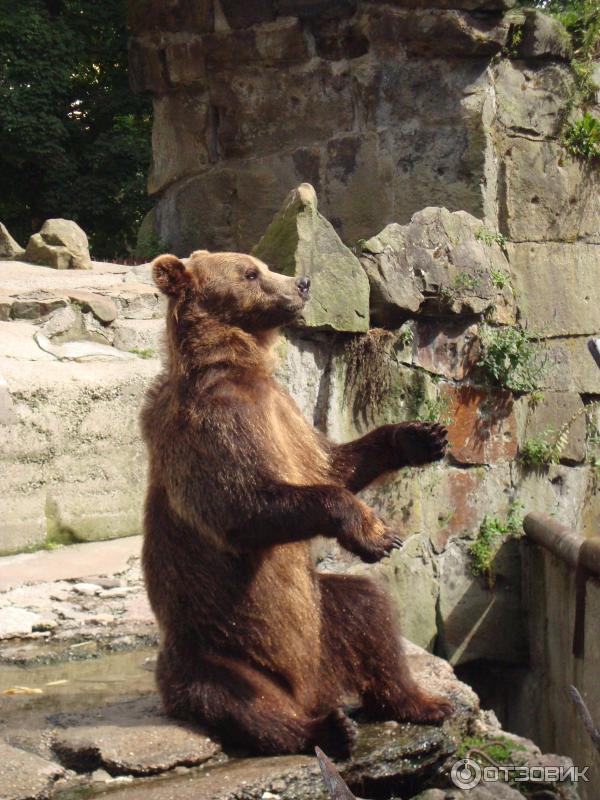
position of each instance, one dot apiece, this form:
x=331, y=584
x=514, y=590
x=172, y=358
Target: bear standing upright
x=255, y=644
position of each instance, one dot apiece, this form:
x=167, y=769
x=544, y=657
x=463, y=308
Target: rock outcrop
x=61, y=244
x=440, y=264
x=300, y=241
x=9, y=248
x=431, y=132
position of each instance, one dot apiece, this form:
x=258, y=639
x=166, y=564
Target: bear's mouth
x=297, y=302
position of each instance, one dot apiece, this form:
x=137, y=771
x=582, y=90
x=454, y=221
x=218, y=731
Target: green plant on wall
x=433, y=409
x=582, y=137
x=538, y=452
x=581, y=18
x=492, y=534
x=593, y=442
x=515, y=37
x=500, y=279
x=511, y=357
x=464, y=282
x=425, y=406
x=491, y=237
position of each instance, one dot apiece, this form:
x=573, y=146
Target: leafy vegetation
x=492, y=534
x=581, y=18
x=433, y=409
x=491, y=237
x=500, y=279
x=515, y=38
x=465, y=282
x=510, y=357
x=425, y=403
x=593, y=442
x=540, y=451
x=406, y=337
x=582, y=137
x=74, y=141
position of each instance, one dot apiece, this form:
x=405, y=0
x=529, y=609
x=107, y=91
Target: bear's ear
x=170, y=274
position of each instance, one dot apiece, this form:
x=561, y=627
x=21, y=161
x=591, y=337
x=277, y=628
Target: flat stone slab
x=132, y=738
x=292, y=777
x=76, y=561
x=18, y=276
x=24, y=776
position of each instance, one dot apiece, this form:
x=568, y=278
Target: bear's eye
x=251, y=274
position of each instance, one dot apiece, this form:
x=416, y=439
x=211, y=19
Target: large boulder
x=9, y=248
x=543, y=36
x=439, y=264
x=61, y=244
x=300, y=241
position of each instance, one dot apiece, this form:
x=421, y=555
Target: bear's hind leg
x=363, y=649
x=244, y=707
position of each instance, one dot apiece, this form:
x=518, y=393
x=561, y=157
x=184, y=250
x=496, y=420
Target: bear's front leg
x=389, y=447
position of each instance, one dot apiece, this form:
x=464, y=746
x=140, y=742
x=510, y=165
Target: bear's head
x=234, y=288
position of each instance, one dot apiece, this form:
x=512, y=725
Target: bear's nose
x=303, y=284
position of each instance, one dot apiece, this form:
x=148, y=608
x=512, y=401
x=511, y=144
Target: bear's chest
x=295, y=446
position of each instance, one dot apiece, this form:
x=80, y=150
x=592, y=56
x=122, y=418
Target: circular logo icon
x=466, y=774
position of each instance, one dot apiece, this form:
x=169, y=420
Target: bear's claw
x=420, y=442
x=373, y=550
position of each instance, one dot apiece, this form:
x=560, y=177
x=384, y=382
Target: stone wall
x=77, y=350
x=384, y=108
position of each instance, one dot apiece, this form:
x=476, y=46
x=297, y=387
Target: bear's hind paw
x=429, y=709
x=335, y=734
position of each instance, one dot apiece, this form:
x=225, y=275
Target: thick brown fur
x=256, y=645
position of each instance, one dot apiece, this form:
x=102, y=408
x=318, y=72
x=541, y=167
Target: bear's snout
x=303, y=285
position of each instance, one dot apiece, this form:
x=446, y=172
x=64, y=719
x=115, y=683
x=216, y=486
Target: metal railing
x=565, y=543
x=583, y=556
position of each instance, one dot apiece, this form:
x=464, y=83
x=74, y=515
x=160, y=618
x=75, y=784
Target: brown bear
x=256, y=645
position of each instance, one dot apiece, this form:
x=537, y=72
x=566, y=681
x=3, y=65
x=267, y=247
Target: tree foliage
x=74, y=141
